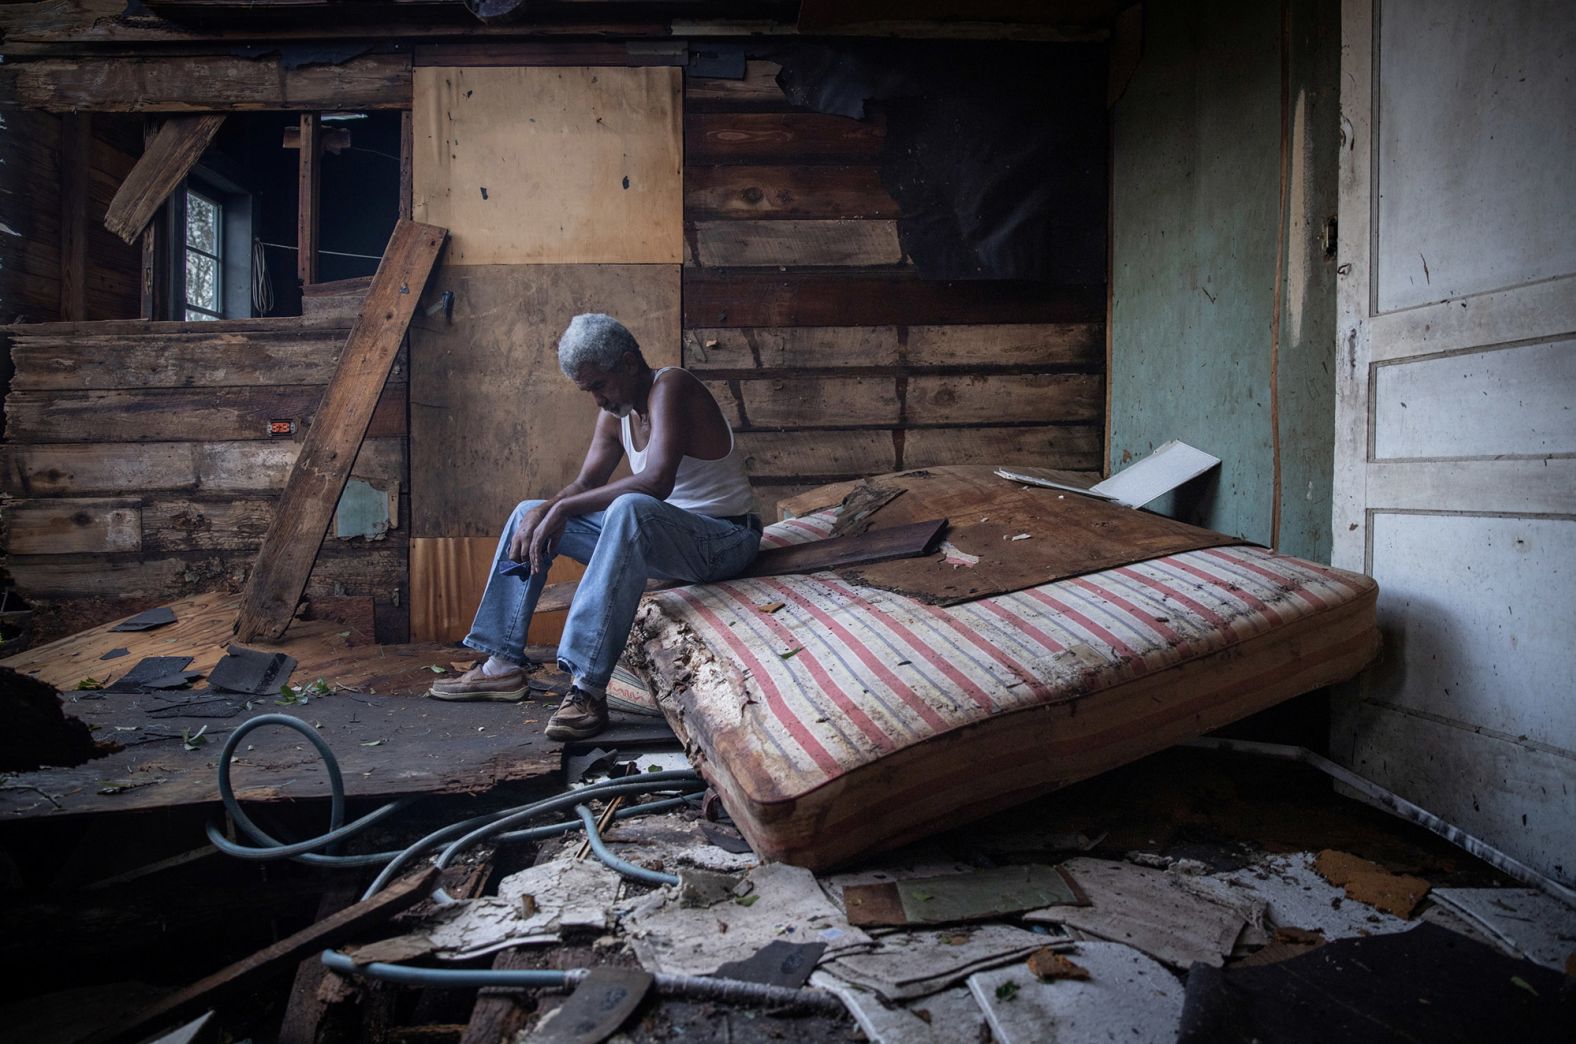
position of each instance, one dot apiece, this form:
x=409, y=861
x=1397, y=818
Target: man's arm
x=669, y=406
x=602, y=456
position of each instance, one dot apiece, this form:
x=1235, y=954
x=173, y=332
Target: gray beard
x=621, y=412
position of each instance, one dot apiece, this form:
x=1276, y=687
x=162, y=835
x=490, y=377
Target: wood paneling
x=493, y=420
x=831, y=357
x=175, y=414
x=213, y=467
x=860, y=298
x=789, y=348
x=796, y=243
x=202, y=83
x=779, y=137
x=55, y=527
x=187, y=360
x=447, y=578
x=551, y=166
x=785, y=191
x=998, y=399
x=1069, y=447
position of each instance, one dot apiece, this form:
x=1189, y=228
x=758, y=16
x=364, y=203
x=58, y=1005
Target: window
x=204, y=257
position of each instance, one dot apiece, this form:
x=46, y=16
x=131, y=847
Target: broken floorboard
x=388, y=739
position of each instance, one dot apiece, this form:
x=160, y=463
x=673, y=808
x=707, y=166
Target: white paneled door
x=1455, y=458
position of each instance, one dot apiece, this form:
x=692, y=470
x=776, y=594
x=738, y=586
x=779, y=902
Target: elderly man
x=682, y=514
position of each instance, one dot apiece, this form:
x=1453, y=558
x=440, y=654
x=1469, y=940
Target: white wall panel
x=1507, y=401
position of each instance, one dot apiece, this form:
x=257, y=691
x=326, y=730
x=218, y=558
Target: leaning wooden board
x=290, y=546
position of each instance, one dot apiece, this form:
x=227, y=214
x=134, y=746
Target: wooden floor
x=387, y=738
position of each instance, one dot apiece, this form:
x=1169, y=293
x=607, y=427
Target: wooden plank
x=407, y=159
x=158, y=328
x=793, y=242
x=176, y=147
x=207, y=83
x=759, y=86
x=789, y=348
x=781, y=137
x=231, y=524
x=54, y=527
x=714, y=297
x=1011, y=344
x=187, y=360
x=493, y=419
x=285, y=561
x=1075, y=448
x=1004, y=398
x=307, y=1006
x=146, y=467
x=344, y=926
x=447, y=577
x=551, y=166
x=176, y=414
x=787, y=191
x=499, y=1015
x=472, y=54
x=309, y=178
x=813, y=556
x=76, y=130
x=817, y=453
x=793, y=402
x=378, y=570
x=339, y=299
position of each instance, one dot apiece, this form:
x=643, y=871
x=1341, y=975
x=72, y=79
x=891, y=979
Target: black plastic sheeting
x=1428, y=984
x=995, y=152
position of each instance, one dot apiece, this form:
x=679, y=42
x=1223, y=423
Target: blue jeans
x=637, y=538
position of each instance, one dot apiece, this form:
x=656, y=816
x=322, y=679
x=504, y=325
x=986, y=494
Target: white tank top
x=707, y=487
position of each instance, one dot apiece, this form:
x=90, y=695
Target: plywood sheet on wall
x=493, y=420
x=551, y=165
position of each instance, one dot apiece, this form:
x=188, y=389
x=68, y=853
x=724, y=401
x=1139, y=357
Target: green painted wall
x=1196, y=205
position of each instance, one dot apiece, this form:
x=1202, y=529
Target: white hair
x=595, y=339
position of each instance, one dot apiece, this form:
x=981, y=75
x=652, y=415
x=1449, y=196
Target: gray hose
x=623, y=866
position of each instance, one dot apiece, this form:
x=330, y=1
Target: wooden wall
x=57, y=176
x=834, y=360
x=139, y=462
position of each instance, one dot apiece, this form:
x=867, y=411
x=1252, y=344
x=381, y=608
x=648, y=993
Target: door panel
x=1455, y=454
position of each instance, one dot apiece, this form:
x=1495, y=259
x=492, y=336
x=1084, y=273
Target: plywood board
x=447, y=577
x=794, y=242
x=551, y=165
x=493, y=419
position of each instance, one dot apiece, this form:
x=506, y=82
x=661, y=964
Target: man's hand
x=520, y=543
x=544, y=537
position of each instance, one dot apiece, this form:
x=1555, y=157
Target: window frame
x=216, y=201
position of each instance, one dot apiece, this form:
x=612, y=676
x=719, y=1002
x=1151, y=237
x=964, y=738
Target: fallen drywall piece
x=783, y=902
x=1531, y=922
x=1370, y=883
x=1152, y=911
x=906, y=965
x=1295, y=896
x=941, y=1018
x=1127, y=997
x=975, y=895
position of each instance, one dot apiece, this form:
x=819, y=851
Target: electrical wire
x=262, y=282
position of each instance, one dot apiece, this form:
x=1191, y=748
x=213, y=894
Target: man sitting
x=682, y=514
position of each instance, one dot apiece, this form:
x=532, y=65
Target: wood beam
x=308, y=195
x=333, y=931
x=175, y=149
x=76, y=137
x=407, y=165
x=205, y=83
x=291, y=543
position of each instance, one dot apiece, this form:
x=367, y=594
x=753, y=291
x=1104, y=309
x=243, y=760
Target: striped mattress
x=838, y=719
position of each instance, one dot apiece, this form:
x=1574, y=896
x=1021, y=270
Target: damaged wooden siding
x=831, y=358
x=57, y=176
x=140, y=463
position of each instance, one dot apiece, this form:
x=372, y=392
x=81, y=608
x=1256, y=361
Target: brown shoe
x=579, y=716
x=474, y=685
